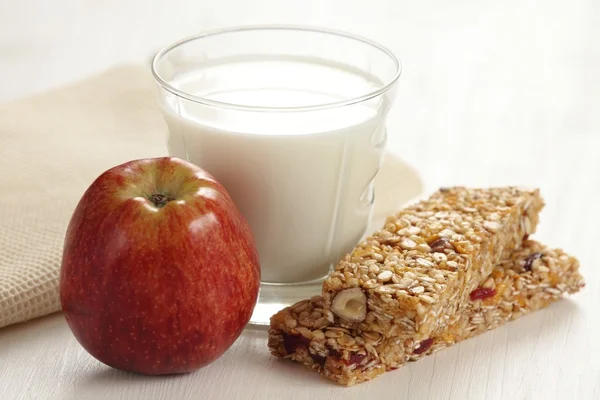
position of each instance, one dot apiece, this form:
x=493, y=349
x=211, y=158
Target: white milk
x=302, y=179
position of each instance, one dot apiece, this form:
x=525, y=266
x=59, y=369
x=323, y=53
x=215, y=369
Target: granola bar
x=530, y=279
x=414, y=275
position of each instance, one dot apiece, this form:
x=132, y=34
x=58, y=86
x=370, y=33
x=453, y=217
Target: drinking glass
x=291, y=120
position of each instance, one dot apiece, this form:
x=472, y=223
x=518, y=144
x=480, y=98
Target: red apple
x=159, y=273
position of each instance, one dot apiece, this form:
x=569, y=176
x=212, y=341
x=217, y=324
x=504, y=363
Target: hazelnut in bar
x=413, y=276
x=530, y=279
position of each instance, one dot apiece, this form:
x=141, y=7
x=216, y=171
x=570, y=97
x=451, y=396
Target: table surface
x=492, y=93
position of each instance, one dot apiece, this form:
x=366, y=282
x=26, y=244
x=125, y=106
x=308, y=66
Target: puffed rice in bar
x=412, y=277
x=530, y=279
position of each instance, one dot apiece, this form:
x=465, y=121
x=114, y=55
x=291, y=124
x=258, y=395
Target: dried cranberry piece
x=294, y=342
x=423, y=346
x=355, y=358
x=439, y=245
x=482, y=293
x=318, y=359
x=529, y=260
x=332, y=351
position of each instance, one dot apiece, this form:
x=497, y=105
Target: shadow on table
x=439, y=371
x=521, y=334
x=30, y=332
x=251, y=354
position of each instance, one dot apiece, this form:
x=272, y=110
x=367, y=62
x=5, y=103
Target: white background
x=492, y=93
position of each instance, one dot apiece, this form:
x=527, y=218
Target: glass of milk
x=291, y=120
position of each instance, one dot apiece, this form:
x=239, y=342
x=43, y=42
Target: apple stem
x=160, y=200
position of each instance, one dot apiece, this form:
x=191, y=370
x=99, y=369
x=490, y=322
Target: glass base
x=274, y=297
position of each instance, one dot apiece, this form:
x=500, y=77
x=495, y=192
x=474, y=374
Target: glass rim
x=299, y=28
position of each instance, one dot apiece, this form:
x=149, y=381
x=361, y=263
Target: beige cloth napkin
x=52, y=146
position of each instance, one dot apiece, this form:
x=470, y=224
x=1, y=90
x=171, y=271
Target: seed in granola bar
x=442, y=214
x=318, y=335
x=372, y=337
x=423, y=248
x=529, y=260
x=292, y=343
x=333, y=334
x=440, y=257
x=482, y=293
x=413, y=230
x=552, y=291
x=346, y=340
x=352, y=282
x=463, y=247
x=290, y=322
x=335, y=282
x=373, y=269
x=427, y=299
x=424, y=263
x=423, y=346
x=350, y=304
x=489, y=283
x=448, y=233
x=408, y=244
x=440, y=244
x=307, y=333
x=320, y=323
x=417, y=290
x=491, y=226
x=494, y=217
x=306, y=322
x=543, y=268
x=385, y=276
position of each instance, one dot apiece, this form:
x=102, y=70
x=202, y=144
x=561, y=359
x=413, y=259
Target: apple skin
x=158, y=290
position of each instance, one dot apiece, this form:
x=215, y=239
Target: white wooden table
x=492, y=93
